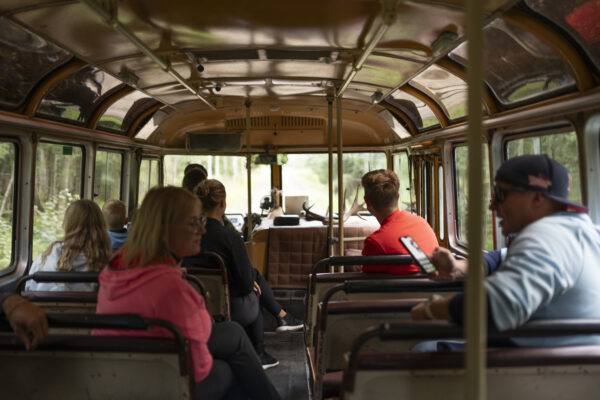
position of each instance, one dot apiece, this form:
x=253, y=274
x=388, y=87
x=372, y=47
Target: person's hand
x=27, y=320
x=257, y=288
x=447, y=267
x=418, y=313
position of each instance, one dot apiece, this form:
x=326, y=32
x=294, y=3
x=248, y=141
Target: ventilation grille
x=283, y=122
x=302, y=122
x=255, y=123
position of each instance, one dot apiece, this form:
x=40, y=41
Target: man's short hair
x=190, y=167
x=115, y=214
x=381, y=188
x=193, y=178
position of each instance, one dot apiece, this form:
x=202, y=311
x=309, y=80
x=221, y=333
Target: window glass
x=308, y=174
x=75, y=97
x=24, y=59
x=562, y=147
x=58, y=181
x=150, y=126
x=578, y=17
x=231, y=172
x=402, y=170
x=148, y=177
x=123, y=112
x=419, y=112
x=447, y=89
x=107, y=176
x=7, y=206
x=442, y=212
x=517, y=65
x=461, y=178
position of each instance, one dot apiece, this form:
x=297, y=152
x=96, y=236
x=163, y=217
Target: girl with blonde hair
x=85, y=247
x=144, y=278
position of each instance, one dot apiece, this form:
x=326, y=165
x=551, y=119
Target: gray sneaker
x=289, y=324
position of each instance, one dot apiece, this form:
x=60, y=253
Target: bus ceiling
x=157, y=71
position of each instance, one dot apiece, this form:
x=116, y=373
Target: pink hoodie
x=158, y=291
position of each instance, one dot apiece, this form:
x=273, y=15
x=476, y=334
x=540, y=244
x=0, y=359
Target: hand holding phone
x=417, y=254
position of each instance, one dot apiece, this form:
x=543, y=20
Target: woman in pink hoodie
x=144, y=278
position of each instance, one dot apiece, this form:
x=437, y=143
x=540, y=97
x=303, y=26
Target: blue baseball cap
x=542, y=174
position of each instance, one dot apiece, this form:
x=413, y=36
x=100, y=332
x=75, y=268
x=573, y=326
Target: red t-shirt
x=385, y=241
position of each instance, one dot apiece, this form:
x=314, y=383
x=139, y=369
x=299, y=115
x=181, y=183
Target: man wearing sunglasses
x=550, y=270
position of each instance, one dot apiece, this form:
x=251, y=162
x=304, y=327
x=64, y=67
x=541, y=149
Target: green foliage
x=5, y=242
x=47, y=225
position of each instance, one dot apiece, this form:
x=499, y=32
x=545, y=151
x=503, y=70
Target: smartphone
x=417, y=254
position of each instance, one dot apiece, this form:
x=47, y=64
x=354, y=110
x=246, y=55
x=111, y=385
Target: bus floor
x=290, y=377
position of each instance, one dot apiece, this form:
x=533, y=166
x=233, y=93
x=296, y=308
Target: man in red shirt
x=381, y=197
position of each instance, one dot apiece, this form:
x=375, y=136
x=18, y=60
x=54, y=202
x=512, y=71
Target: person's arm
x=243, y=271
x=26, y=319
x=447, y=267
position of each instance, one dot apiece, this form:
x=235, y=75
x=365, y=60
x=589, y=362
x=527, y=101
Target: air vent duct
x=214, y=141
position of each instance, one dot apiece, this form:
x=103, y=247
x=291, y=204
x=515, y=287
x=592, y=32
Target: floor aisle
x=289, y=377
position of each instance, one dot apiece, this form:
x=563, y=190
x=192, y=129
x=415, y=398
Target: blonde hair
x=115, y=214
x=148, y=240
x=85, y=232
x=210, y=192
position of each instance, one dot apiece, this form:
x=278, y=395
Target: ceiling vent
x=255, y=123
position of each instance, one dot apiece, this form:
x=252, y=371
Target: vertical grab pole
x=340, y=145
x=330, y=170
x=475, y=306
x=248, y=103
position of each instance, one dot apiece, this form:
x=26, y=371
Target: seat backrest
x=512, y=373
x=210, y=269
x=516, y=374
x=97, y=367
x=320, y=282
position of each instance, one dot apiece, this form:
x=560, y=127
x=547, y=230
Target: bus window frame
x=591, y=149
x=15, y=252
x=123, y=154
x=149, y=157
x=498, y=155
x=451, y=202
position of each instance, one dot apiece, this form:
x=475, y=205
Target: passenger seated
x=115, y=215
x=143, y=278
x=85, y=247
x=549, y=271
x=381, y=197
x=248, y=289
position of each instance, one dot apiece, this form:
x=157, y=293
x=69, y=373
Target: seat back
x=210, y=269
x=97, y=367
x=321, y=280
x=512, y=373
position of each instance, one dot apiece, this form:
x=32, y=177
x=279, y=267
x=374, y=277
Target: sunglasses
x=501, y=193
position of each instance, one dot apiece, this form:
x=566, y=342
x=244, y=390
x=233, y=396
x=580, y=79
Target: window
x=560, y=146
x=419, y=112
x=461, y=190
x=518, y=66
x=308, y=174
x=107, y=177
x=8, y=155
x=58, y=181
x=403, y=172
x=25, y=58
x=231, y=172
x=441, y=200
x=75, y=97
x=124, y=111
x=148, y=177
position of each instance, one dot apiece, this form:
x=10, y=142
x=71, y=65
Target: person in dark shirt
x=247, y=288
